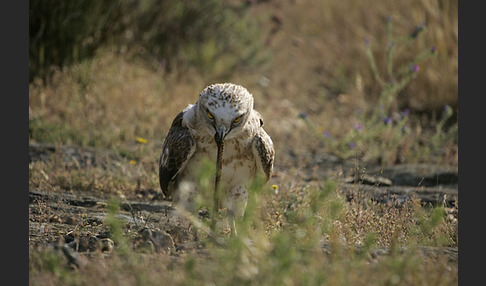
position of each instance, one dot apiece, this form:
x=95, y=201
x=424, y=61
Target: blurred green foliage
x=63, y=32
x=170, y=34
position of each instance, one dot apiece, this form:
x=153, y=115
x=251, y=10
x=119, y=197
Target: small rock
x=369, y=180
x=106, y=245
x=72, y=220
x=85, y=243
x=421, y=174
x=75, y=260
x=154, y=238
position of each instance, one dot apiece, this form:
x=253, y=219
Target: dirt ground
x=79, y=219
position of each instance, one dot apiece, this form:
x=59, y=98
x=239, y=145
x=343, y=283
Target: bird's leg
x=235, y=202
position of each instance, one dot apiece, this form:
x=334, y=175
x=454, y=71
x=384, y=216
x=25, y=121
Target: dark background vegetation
x=171, y=33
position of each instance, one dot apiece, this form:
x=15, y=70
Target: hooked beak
x=220, y=134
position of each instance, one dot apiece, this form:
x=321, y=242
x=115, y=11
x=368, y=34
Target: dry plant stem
x=219, y=167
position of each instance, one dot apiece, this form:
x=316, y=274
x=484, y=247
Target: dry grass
x=281, y=242
x=318, y=65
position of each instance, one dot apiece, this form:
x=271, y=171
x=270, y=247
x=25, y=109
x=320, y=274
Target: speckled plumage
x=248, y=150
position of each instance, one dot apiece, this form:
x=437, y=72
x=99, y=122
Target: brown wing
x=178, y=147
x=264, y=153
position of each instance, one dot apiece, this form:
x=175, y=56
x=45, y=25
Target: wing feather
x=179, y=146
x=264, y=153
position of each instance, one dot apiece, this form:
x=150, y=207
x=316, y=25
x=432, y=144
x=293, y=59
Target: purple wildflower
x=387, y=120
x=416, y=68
x=447, y=111
x=351, y=145
x=327, y=134
x=303, y=115
x=358, y=127
x=405, y=112
x=433, y=49
x=367, y=42
x=417, y=31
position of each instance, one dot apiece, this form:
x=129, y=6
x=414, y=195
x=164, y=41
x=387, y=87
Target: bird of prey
x=222, y=116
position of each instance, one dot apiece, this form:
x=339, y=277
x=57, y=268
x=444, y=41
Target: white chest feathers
x=238, y=163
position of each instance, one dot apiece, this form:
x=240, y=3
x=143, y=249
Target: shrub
x=210, y=35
